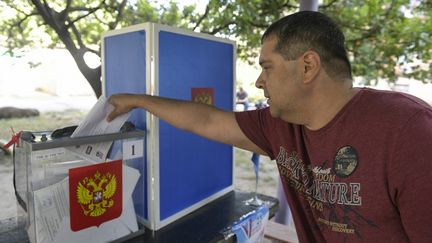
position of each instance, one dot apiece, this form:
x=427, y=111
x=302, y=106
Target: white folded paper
x=95, y=123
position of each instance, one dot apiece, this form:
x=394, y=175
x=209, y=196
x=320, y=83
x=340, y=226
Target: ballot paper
x=95, y=123
x=50, y=173
x=52, y=215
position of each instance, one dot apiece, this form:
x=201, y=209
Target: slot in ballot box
x=184, y=171
x=65, y=197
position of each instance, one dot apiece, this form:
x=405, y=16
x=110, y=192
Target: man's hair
x=308, y=30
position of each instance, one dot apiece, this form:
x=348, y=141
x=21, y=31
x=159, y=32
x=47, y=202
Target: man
x=242, y=98
x=355, y=163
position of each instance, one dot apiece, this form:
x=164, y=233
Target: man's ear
x=311, y=65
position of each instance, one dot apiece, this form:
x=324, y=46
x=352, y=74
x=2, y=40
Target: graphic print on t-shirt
x=345, y=161
x=333, y=200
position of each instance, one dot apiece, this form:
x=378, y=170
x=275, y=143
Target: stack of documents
x=51, y=186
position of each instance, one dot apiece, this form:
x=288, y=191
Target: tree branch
x=78, y=36
x=18, y=24
x=89, y=11
x=56, y=22
x=271, y=10
x=101, y=20
x=41, y=10
x=14, y=7
x=258, y=25
x=327, y=5
x=286, y=5
x=119, y=16
x=48, y=9
x=371, y=32
x=216, y=30
x=207, y=10
x=68, y=4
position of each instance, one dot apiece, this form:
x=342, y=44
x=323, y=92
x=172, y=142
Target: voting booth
x=65, y=197
x=182, y=171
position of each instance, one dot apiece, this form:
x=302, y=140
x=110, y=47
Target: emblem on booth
x=95, y=194
x=203, y=95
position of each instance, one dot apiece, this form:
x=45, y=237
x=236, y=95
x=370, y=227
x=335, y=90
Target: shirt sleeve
x=255, y=126
x=410, y=173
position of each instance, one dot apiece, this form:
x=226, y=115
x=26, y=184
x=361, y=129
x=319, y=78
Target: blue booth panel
x=181, y=171
x=124, y=72
x=192, y=168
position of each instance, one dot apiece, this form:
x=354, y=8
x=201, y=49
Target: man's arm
x=204, y=120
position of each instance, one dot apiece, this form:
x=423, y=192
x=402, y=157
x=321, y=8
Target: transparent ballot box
x=65, y=194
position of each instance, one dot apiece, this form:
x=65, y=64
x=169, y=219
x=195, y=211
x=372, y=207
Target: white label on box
x=48, y=155
x=133, y=149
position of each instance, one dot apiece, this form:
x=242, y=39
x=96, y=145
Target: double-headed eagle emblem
x=204, y=99
x=95, y=194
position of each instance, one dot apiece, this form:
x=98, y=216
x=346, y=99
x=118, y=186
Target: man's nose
x=259, y=83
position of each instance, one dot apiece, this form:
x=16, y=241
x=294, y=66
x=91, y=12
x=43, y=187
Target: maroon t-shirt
x=365, y=176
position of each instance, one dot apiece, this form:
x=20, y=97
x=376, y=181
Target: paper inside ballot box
x=53, y=214
x=95, y=123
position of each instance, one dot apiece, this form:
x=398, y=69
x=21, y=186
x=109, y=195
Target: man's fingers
x=111, y=116
x=114, y=113
x=119, y=103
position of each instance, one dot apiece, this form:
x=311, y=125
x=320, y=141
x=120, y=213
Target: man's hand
x=122, y=103
x=204, y=120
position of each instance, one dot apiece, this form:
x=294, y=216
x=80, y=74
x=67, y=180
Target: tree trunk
x=93, y=75
x=61, y=26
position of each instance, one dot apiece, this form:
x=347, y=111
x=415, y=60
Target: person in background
x=260, y=104
x=355, y=163
x=242, y=98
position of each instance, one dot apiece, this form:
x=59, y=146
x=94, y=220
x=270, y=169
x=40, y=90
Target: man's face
x=280, y=80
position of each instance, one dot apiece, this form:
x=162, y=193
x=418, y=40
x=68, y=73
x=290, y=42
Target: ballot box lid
x=37, y=144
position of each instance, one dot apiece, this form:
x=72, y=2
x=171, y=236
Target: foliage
x=77, y=25
x=383, y=41
x=245, y=21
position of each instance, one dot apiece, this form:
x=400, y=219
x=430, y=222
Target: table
x=205, y=224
